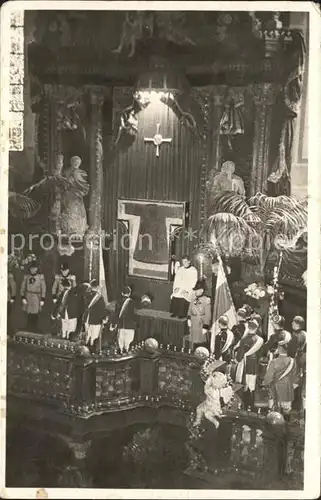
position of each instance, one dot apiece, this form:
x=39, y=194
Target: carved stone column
x=76, y=474
x=211, y=100
x=92, y=247
x=219, y=95
x=264, y=96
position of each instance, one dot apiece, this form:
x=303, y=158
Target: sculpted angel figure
x=134, y=26
x=50, y=188
x=225, y=180
x=216, y=387
x=65, y=190
x=73, y=217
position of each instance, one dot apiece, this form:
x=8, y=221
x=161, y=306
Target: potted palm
x=263, y=232
x=261, y=229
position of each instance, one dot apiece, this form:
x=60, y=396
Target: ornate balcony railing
x=65, y=375
x=67, y=380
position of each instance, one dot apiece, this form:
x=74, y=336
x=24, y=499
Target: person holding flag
x=247, y=357
x=224, y=313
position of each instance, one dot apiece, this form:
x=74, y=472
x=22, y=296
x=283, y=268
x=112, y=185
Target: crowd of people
x=276, y=363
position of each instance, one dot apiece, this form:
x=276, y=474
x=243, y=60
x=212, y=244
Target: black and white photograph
x=160, y=180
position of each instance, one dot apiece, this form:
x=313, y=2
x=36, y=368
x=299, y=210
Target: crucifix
x=158, y=139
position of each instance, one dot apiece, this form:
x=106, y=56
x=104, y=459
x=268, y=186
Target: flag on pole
x=223, y=303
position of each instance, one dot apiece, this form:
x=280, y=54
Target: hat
x=223, y=321
x=241, y=313
x=64, y=266
x=282, y=339
x=299, y=321
x=127, y=290
x=94, y=284
x=253, y=324
x=257, y=318
x=200, y=284
x=278, y=322
x=248, y=309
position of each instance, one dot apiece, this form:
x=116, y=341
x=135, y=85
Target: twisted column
x=264, y=96
x=92, y=239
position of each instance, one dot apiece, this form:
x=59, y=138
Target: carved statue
x=51, y=187
x=137, y=25
x=73, y=218
x=128, y=118
x=65, y=190
x=256, y=25
x=216, y=387
x=225, y=180
x=133, y=29
x=171, y=27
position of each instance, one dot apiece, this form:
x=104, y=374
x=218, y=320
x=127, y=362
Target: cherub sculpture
x=216, y=387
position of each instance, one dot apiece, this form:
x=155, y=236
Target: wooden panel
x=136, y=172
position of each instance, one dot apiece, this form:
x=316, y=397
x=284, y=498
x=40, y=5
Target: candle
x=201, y=257
x=91, y=260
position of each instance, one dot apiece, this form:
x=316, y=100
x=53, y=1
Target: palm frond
x=280, y=213
x=272, y=202
x=289, y=223
x=47, y=185
x=228, y=201
x=21, y=206
x=230, y=233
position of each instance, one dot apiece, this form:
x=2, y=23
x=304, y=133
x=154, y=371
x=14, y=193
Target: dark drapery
x=279, y=179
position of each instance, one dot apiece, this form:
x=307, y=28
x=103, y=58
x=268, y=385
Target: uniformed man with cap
x=199, y=315
x=57, y=286
x=124, y=320
x=297, y=350
x=247, y=357
x=258, y=318
x=224, y=341
x=33, y=294
x=95, y=316
x=67, y=309
x=272, y=343
x=281, y=378
x=239, y=329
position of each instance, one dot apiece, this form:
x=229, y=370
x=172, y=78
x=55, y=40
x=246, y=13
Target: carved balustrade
x=64, y=376
x=63, y=373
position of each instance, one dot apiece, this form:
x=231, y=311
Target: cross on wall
x=158, y=139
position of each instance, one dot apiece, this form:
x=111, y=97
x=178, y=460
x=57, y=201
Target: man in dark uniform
x=124, y=320
x=67, y=308
x=297, y=351
x=239, y=329
x=272, y=343
x=258, y=318
x=96, y=315
x=224, y=341
x=247, y=357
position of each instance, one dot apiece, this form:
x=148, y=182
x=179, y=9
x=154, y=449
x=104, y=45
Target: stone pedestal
x=264, y=96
